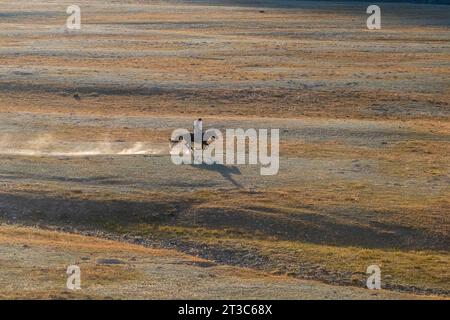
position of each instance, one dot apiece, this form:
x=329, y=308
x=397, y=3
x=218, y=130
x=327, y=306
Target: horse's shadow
x=225, y=171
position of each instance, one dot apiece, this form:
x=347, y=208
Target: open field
x=37, y=260
x=364, y=124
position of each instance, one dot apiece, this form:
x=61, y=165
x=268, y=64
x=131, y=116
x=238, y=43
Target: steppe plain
x=86, y=177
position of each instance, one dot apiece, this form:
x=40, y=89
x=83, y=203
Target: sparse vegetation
x=365, y=147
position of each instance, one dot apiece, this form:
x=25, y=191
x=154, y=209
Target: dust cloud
x=46, y=145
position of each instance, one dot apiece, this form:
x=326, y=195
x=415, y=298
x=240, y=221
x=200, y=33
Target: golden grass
x=54, y=239
x=424, y=269
x=243, y=56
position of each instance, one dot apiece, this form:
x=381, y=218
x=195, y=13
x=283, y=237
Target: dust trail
x=45, y=145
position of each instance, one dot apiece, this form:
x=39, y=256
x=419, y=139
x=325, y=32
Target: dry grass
x=365, y=143
x=345, y=265
x=37, y=262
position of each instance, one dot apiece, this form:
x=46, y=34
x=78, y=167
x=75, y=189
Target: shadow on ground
x=226, y=172
x=320, y=228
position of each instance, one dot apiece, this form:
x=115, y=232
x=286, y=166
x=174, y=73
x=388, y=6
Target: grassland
x=37, y=261
x=365, y=146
